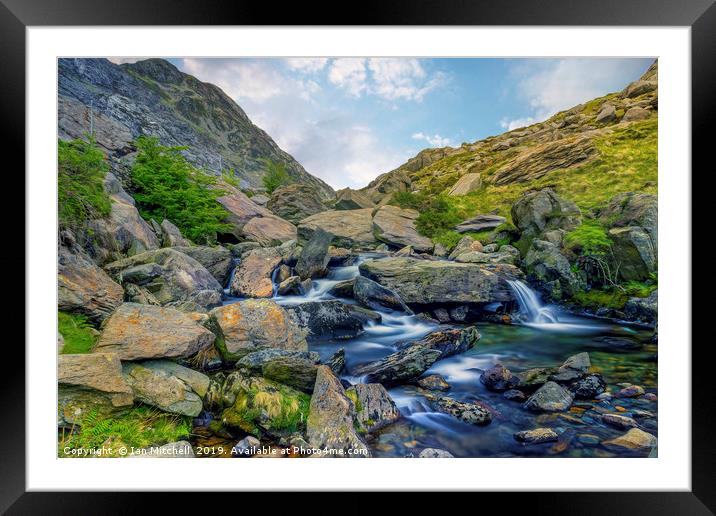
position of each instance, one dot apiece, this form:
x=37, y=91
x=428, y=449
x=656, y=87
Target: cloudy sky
x=346, y=120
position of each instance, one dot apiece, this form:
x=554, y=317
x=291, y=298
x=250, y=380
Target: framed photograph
x=375, y=238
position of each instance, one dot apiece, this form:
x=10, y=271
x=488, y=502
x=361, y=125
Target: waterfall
x=530, y=305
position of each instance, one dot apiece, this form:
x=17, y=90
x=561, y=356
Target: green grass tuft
x=77, y=331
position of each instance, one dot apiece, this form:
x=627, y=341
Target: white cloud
x=436, y=140
x=307, y=64
x=241, y=79
x=509, y=125
x=350, y=74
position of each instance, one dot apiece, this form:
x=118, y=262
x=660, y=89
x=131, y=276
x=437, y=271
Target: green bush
x=77, y=332
x=81, y=168
x=139, y=427
x=437, y=216
x=275, y=175
x=168, y=186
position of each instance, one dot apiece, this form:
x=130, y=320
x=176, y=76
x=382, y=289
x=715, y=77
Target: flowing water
x=543, y=336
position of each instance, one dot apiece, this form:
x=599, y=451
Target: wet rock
x=435, y=453
x=337, y=362
x=533, y=379
x=466, y=244
x=550, y=270
x=374, y=407
x=177, y=279
x=466, y=184
x=252, y=277
x=399, y=367
x=448, y=342
x=632, y=391
x=634, y=439
x=536, y=436
x=480, y=223
x=375, y=296
x=515, y=395
x=171, y=235
x=84, y=288
x=470, y=413
x=396, y=226
x=217, y=260
x=90, y=382
x=282, y=273
x=341, y=257
x=314, y=258
x=348, y=199
x=434, y=382
x=295, y=202
x=433, y=282
x=136, y=332
x=333, y=318
x=256, y=324
x=622, y=422
x=290, y=286
x=459, y=313
x=161, y=387
x=350, y=228
x=551, y=397
x=342, y=289
x=643, y=309
x=573, y=368
x=331, y=417
x=442, y=315
x=588, y=387
x=246, y=447
x=269, y=230
x=296, y=369
x=498, y=378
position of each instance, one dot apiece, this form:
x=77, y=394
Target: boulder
x=588, y=387
x=635, y=113
x=173, y=278
x=90, y=382
x=551, y=397
x=466, y=184
x=260, y=199
x=470, y=413
x=633, y=209
x=157, y=385
x=331, y=418
x=433, y=382
x=539, y=211
x=619, y=421
x=498, y=378
x=399, y=367
x=480, y=223
x=240, y=208
x=572, y=369
x=290, y=286
x=465, y=245
x=342, y=289
x=375, y=296
x=631, y=391
x=509, y=255
x=256, y=324
x=374, y=406
x=606, y=115
x=136, y=332
x=341, y=257
x=217, y=260
x=388, y=183
x=396, y=226
x=634, y=252
x=643, y=309
x=240, y=249
x=536, y=436
x=550, y=270
x=350, y=228
x=435, y=453
x=348, y=199
x=640, y=87
x=332, y=319
x=252, y=277
x=197, y=382
x=296, y=369
x=337, y=361
x=314, y=258
x=634, y=439
x=448, y=342
x=427, y=282
x=295, y=202
x=269, y=230
x=171, y=235
x=84, y=288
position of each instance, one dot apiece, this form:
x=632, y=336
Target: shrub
x=437, y=216
x=229, y=177
x=275, y=175
x=77, y=332
x=168, y=186
x=81, y=168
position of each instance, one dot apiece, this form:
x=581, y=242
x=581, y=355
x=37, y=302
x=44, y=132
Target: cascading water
x=530, y=305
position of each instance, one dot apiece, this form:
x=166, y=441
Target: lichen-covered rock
x=465, y=245
x=295, y=202
x=536, y=436
x=498, y=378
x=256, y=324
x=396, y=226
x=136, y=332
x=634, y=252
x=314, y=258
x=551, y=397
x=333, y=318
x=252, y=277
x=269, y=230
x=538, y=211
x=634, y=439
x=573, y=368
x=332, y=416
x=290, y=286
x=471, y=413
x=374, y=406
x=296, y=369
x=588, y=387
x=337, y=361
x=550, y=270
x=350, y=228
x=448, y=342
x=173, y=278
x=84, y=288
x=162, y=387
x=643, y=309
x=434, y=382
x=90, y=382
x=375, y=296
x=217, y=260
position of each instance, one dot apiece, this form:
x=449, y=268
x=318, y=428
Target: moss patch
x=78, y=333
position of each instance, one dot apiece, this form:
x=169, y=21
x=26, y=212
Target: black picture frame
x=700, y=15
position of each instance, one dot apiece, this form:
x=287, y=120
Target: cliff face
x=569, y=140
x=152, y=97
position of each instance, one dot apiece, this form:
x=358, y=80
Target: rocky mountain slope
x=152, y=97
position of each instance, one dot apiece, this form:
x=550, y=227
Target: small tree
x=81, y=168
x=168, y=186
x=275, y=175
